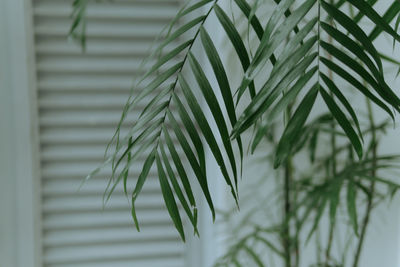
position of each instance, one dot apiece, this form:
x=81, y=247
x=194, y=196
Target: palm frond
x=294, y=41
x=352, y=60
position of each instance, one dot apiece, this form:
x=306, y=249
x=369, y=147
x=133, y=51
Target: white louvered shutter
x=81, y=97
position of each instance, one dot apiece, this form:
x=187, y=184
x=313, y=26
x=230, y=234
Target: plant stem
x=286, y=232
x=332, y=223
x=296, y=237
x=286, y=240
x=372, y=187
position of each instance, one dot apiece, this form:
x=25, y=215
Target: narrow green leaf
x=360, y=15
x=206, y=130
x=381, y=180
x=396, y=27
x=332, y=87
x=335, y=197
x=233, y=36
x=139, y=125
x=216, y=111
x=279, y=12
x=380, y=22
x=150, y=105
x=340, y=3
x=389, y=15
x=267, y=47
x=380, y=86
x=140, y=182
x=359, y=86
x=287, y=14
x=169, y=198
x=288, y=57
x=354, y=29
x=295, y=41
x=186, y=27
x=312, y=148
x=177, y=188
x=184, y=10
x=352, y=46
x=318, y=215
x=256, y=259
x=144, y=144
x=236, y=262
x=191, y=129
x=220, y=74
x=236, y=41
x=286, y=99
x=294, y=126
x=269, y=244
x=198, y=171
x=343, y=122
x=160, y=79
x=254, y=21
x=168, y=56
x=259, y=104
x=223, y=82
x=291, y=94
x=126, y=173
x=195, y=7
x=179, y=167
x=351, y=205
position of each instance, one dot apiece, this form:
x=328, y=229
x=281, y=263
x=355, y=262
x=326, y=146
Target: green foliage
x=305, y=49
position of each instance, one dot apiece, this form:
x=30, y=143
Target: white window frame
x=22, y=206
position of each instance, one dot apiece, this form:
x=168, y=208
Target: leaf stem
x=319, y=40
x=332, y=222
x=371, y=188
x=286, y=239
x=181, y=68
x=286, y=232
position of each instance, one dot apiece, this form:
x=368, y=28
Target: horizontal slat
x=82, y=64
x=90, y=101
x=150, y=3
x=101, y=30
x=80, y=152
x=110, y=48
x=94, y=203
x=169, y=262
x=55, y=48
x=103, y=220
x=74, y=187
x=115, y=252
x=77, y=170
x=110, y=235
x=74, y=153
x=72, y=118
x=89, y=119
x=81, y=83
x=108, y=10
x=51, y=136
x=83, y=101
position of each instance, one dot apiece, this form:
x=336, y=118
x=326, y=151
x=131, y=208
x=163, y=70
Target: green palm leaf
x=297, y=42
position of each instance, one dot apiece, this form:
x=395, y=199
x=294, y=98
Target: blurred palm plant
x=305, y=52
